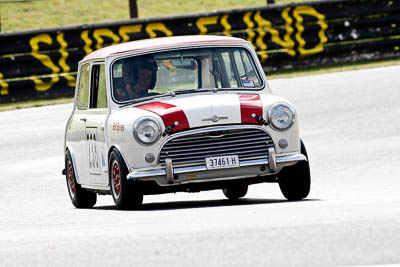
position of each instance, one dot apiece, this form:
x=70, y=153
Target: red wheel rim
x=71, y=178
x=116, y=179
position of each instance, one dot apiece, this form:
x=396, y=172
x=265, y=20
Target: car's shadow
x=193, y=204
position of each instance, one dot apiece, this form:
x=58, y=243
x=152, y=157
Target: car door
x=77, y=139
x=95, y=138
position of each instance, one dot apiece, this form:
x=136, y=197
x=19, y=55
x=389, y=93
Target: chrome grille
x=247, y=143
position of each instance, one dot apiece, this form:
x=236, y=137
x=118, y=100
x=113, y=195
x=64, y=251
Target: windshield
x=183, y=71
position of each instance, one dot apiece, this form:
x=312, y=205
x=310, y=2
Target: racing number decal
x=93, y=155
x=93, y=162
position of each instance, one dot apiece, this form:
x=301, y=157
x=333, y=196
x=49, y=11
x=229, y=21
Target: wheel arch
x=72, y=154
x=302, y=148
x=116, y=147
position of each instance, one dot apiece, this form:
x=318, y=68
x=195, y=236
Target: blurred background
x=17, y=15
x=42, y=41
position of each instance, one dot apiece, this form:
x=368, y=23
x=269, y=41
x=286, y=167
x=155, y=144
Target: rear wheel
x=234, y=192
x=80, y=197
x=295, y=181
x=125, y=194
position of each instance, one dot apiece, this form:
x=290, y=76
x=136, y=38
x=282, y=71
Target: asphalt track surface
x=350, y=123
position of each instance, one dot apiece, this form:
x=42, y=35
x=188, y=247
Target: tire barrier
x=43, y=63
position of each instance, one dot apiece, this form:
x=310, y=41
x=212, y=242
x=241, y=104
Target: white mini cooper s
x=179, y=114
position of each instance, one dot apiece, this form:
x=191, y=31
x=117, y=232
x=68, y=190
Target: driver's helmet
x=131, y=66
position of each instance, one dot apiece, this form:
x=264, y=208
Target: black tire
x=234, y=192
x=125, y=194
x=295, y=181
x=80, y=197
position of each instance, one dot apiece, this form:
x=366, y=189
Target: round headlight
x=147, y=131
x=281, y=116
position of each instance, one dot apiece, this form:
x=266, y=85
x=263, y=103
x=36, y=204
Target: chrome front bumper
x=274, y=163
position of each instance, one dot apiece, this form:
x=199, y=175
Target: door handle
x=83, y=119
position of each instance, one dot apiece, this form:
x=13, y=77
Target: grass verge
x=34, y=103
x=36, y=14
x=334, y=68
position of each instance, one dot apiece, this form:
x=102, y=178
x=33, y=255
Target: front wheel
x=234, y=192
x=80, y=197
x=124, y=192
x=295, y=181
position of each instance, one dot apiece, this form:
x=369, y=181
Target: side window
x=99, y=88
x=83, y=92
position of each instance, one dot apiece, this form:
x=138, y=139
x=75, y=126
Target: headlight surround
x=281, y=116
x=147, y=131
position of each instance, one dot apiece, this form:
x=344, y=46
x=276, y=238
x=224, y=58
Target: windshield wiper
x=142, y=99
x=188, y=91
x=138, y=100
x=134, y=101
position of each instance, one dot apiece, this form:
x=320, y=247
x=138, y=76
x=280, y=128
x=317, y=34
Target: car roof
x=158, y=43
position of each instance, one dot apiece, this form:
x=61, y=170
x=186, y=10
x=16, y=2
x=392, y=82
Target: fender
x=117, y=147
x=73, y=163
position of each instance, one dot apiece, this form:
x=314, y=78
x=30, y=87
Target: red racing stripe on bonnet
x=249, y=104
x=169, y=114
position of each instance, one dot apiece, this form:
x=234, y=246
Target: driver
x=139, y=75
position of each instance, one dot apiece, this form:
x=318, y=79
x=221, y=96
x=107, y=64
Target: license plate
x=222, y=162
